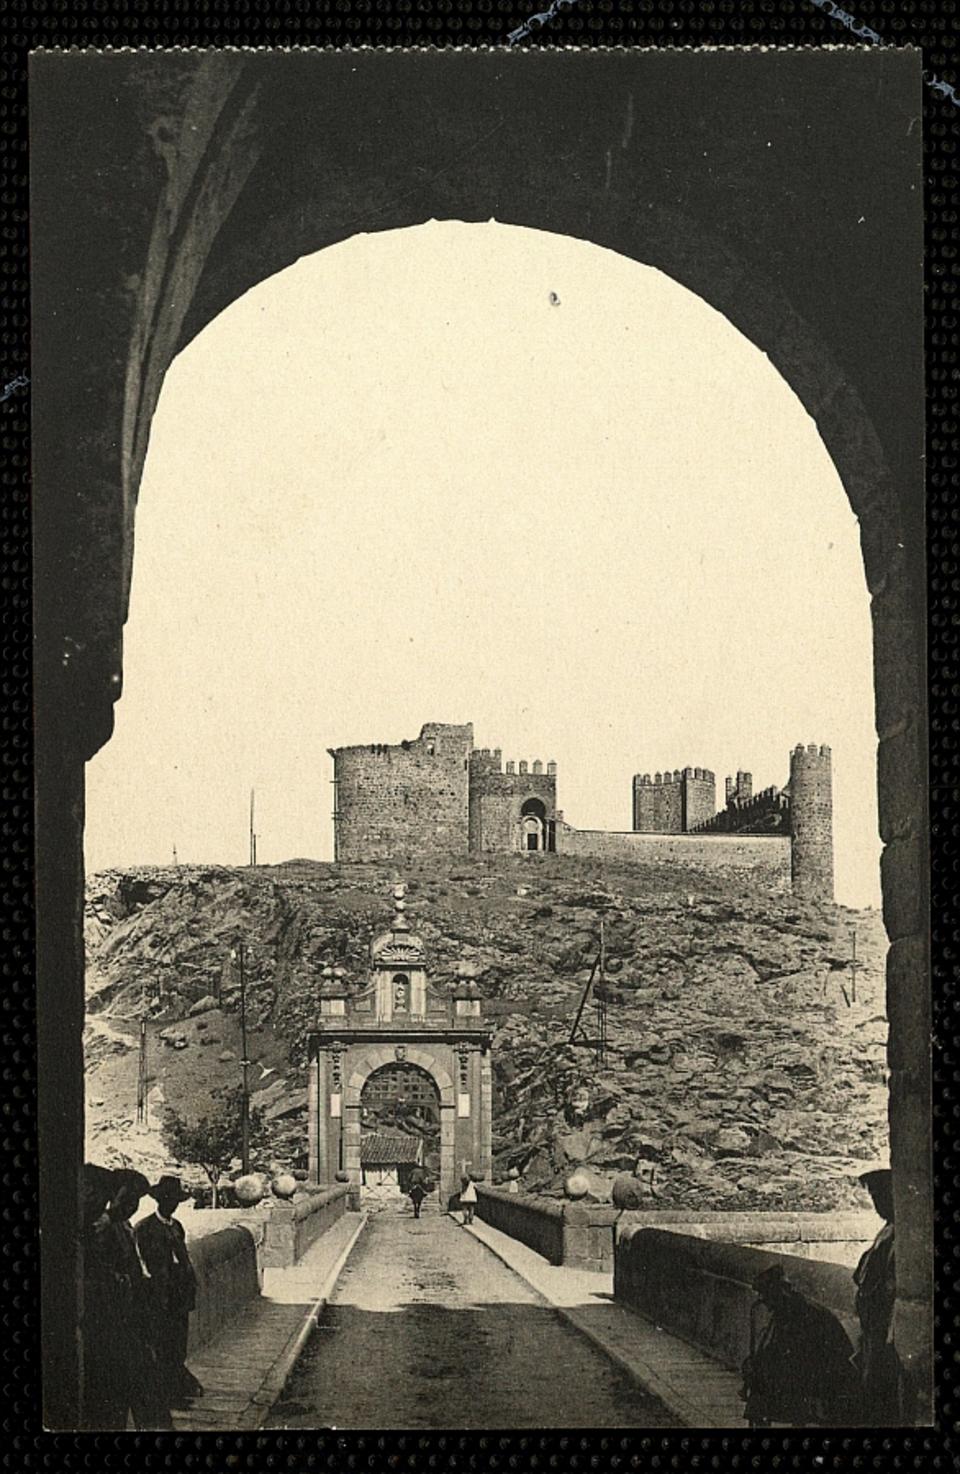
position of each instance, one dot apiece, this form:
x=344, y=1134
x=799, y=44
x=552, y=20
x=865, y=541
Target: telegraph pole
x=245, y=1067
x=253, y=833
x=142, y=1075
x=601, y=1000
x=854, y=965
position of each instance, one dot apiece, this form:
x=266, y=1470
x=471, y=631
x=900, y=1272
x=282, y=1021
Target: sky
x=475, y=472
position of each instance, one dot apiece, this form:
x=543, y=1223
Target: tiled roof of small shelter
x=378, y=1149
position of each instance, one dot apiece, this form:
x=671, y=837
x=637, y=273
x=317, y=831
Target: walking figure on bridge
x=468, y=1198
x=417, y=1194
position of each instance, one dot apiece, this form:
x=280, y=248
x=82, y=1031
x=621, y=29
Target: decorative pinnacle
x=400, y=922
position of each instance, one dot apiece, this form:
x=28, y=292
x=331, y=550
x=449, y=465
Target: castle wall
x=404, y=799
x=764, y=859
x=674, y=802
x=699, y=798
x=497, y=798
x=658, y=805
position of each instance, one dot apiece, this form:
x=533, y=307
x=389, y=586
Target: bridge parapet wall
x=578, y=1235
x=293, y=1227
x=228, y=1275
x=702, y=1290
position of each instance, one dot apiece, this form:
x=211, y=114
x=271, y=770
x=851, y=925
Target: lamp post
x=244, y=1065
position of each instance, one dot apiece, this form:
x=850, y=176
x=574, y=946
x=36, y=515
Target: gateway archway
x=399, y=1020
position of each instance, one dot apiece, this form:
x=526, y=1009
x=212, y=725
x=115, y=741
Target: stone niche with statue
x=397, y=1022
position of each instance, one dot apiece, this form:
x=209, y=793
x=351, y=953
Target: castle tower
x=811, y=822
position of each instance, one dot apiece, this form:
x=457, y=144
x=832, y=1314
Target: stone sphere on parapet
x=628, y=1192
x=284, y=1185
x=341, y=1176
x=249, y=1189
x=576, y=1186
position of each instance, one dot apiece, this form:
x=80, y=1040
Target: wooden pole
x=245, y=1069
x=854, y=965
x=142, y=1075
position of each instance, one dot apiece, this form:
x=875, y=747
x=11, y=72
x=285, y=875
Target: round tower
x=811, y=822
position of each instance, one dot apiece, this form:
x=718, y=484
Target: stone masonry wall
x=765, y=857
x=657, y=806
x=811, y=819
x=406, y=799
x=496, y=799
x=673, y=803
x=699, y=798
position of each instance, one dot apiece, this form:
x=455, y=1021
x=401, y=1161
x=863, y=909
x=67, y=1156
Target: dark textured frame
x=742, y=24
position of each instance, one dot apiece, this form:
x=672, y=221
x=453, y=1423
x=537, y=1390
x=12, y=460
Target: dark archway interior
x=709, y=166
x=401, y=1095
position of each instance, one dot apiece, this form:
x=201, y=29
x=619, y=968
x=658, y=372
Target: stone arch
x=533, y=825
x=194, y=146
x=362, y=1061
x=358, y=1069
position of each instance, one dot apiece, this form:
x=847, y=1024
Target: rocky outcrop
x=740, y=1060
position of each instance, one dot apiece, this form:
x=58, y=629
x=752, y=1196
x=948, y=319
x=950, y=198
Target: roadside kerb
x=272, y=1387
x=697, y=1390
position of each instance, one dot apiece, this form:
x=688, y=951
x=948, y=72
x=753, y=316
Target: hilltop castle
x=438, y=794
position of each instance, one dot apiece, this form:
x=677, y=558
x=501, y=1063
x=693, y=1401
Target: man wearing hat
x=799, y=1369
x=162, y=1244
x=875, y=1279
x=124, y=1378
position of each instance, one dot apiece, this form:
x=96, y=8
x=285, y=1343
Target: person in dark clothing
x=875, y=1279
x=417, y=1194
x=163, y=1249
x=799, y=1373
x=130, y=1383
x=96, y=1327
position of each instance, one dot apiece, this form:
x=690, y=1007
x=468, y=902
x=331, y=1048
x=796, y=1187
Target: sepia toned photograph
x=481, y=739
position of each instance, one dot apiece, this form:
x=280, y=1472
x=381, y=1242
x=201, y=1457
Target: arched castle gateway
x=399, y=1019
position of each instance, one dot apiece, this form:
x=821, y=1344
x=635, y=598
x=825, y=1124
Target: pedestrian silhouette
x=417, y=1195
x=799, y=1372
x=162, y=1244
x=118, y=1317
x=468, y=1198
x=875, y=1279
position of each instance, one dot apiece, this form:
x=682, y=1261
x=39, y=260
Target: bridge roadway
x=427, y=1329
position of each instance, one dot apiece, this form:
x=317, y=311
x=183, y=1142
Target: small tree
x=213, y=1140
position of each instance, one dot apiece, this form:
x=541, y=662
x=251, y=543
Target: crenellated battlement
x=765, y=812
x=439, y=793
x=811, y=751
x=644, y=780
x=487, y=760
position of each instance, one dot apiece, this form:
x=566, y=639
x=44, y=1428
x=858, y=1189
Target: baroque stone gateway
x=438, y=794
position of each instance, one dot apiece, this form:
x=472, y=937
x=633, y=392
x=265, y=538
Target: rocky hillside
x=739, y=1056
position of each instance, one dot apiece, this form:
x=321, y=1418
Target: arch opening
x=399, y=1131
x=808, y=357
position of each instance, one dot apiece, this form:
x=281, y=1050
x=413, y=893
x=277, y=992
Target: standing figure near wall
x=875, y=1279
x=799, y=1372
x=163, y=1249
x=98, y=1338
x=131, y=1383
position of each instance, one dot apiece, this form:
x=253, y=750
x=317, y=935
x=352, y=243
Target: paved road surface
x=427, y=1329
